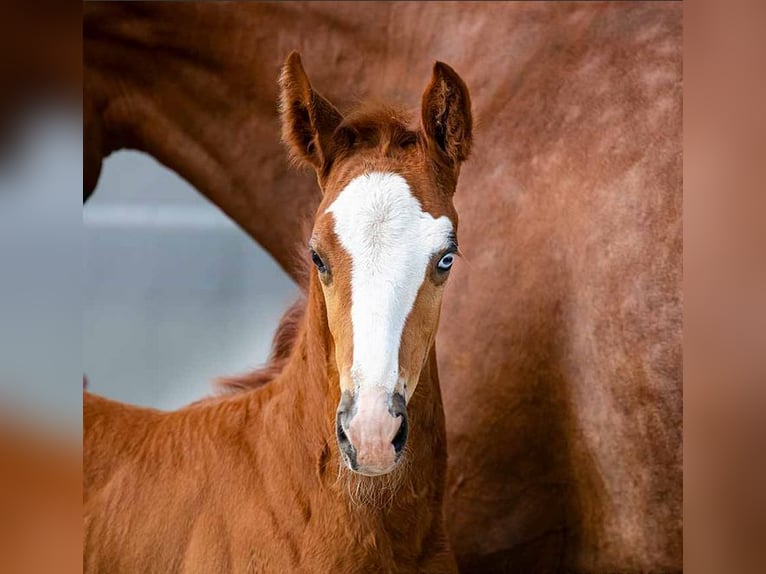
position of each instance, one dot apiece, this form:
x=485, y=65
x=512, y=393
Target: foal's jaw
x=383, y=243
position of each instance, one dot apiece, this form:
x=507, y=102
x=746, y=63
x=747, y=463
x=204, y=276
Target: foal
x=338, y=464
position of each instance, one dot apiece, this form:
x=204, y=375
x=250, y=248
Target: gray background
x=175, y=294
x=41, y=237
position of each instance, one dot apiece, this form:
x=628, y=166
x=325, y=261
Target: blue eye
x=446, y=262
x=318, y=261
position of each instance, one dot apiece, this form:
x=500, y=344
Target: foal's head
x=383, y=243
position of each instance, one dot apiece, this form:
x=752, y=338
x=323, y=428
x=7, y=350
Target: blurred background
x=41, y=271
x=175, y=294
x=41, y=236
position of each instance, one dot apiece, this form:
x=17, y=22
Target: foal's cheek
x=339, y=323
x=419, y=333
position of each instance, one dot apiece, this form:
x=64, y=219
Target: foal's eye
x=318, y=261
x=445, y=263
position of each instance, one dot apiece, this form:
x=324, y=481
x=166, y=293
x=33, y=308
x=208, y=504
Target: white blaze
x=391, y=241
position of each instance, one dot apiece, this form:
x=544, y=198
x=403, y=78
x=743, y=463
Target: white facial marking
x=391, y=241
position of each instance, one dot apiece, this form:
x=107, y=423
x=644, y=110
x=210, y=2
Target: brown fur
x=560, y=337
x=253, y=481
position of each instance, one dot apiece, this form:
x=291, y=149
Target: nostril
x=348, y=450
x=401, y=435
x=342, y=436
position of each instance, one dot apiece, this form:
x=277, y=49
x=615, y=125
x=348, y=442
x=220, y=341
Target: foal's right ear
x=308, y=119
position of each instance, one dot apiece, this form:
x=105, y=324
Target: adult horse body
x=562, y=374
x=339, y=464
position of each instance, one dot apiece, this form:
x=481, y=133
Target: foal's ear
x=308, y=119
x=446, y=115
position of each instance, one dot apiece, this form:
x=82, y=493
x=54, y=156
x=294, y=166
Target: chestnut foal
x=337, y=465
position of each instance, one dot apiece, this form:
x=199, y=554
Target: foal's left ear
x=308, y=119
x=446, y=115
